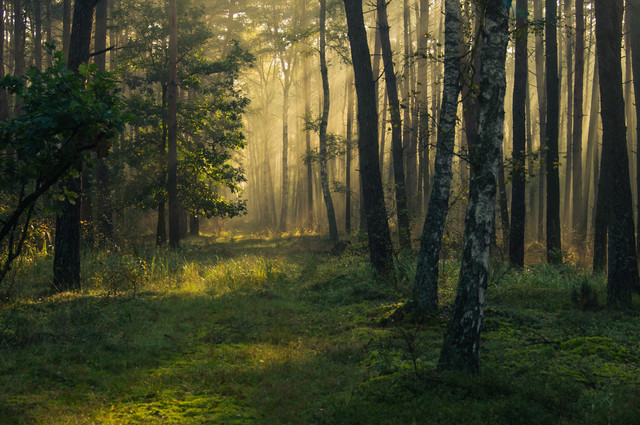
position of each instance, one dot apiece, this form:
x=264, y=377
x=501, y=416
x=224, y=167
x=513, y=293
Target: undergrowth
x=271, y=330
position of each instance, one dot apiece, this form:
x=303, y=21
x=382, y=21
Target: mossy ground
x=242, y=330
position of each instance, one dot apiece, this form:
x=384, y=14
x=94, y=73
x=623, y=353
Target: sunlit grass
x=245, y=329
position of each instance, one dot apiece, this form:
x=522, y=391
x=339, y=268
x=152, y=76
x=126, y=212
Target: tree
x=402, y=209
x=172, y=124
x=622, y=276
x=380, y=250
x=62, y=120
x=66, y=261
x=324, y=178
x=633, y=14
x=554, y=248
x=578, y=224
x=461, y=343
x=426, y=279
x=518, y=208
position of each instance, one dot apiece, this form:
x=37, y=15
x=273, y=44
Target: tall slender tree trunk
x=518, y=208
x=66, y=260
x=66, y=26
x=380, y=250
x=348, y=154
x=427, y=272
x=4, y=96
x=622, y=276
x=542, y=116
x=37, y=47
x=569, y=48
x=284, y=211
x=402, y=210
x=554, y=247
x=324, y=178
x=591, y=163
x=307, y=139
x=461, y=344
x=409, y=134
x=172, y=126
x=104, y=213
x=633, y=10
x=579, y=230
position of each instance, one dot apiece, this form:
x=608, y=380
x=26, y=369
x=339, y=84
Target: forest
x=325, y=212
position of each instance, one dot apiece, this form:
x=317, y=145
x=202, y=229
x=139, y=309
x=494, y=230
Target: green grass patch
x=275, y=330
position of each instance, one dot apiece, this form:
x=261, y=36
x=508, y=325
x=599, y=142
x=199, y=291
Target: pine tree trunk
x=402, y=211
x=172, y=126
x=542, y=116
x=461, y=344
x=66, y=261
x=578, y=224
x=284, y=211
x=350, y=105
x=427, y=272
x=373, y=196
x=566, y=216
x=518, y=208
x=633, y=10
x=554, y=247
x=622, y=276
x=324, y=177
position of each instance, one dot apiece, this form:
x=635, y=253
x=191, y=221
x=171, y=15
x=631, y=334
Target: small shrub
x=585, y=297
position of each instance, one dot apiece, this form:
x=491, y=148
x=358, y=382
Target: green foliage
x=210, y=126
x=62, y=117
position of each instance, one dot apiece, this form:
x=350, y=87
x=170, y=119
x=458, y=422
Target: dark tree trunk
x=66, y=261
x=542, y=117
x=4, y=99
x=554, y=247
x=579, y=230
x=409, y=135
x=426, y=279
x=324, y=177
x=518, y=208
x=633, y=10
x=592, y=154
x=380, y=249
x=37, y=47
x=194, y=225
x=161, y=228
x=461, y=344
x=66, y=27
x=623, y=267
x=402, y=211
x=566, y=216
x=104, y=213
x=172, y=125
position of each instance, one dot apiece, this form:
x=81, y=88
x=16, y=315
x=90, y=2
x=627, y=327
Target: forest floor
x=275, y=330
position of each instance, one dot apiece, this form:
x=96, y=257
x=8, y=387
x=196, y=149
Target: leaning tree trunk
x=380, y=250
x=623, y=267
x=518, y=208
x=426, y=280
x=66, y=260
x=554, y=247
x=461, y=344
x=402, y=210
x=324, y=178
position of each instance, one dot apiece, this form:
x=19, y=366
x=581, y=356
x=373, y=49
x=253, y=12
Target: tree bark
x=427, y=272
x=518, y=207
x=542, y=116
x=461, y=344
x=402, y=210
x=569, y=114
x=350, y=107
x=379, y=238
x=554, y=247
x=633, y=10
x=579, y=230
x=172, y=126
x=66, y=261
x=622, y=276
x=324, y=178
x=66, y=27
x=4, y=96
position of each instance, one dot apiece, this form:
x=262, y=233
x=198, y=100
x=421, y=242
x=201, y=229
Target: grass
x=274, y=330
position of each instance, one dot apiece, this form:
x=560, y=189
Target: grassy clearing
x=265, y=330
